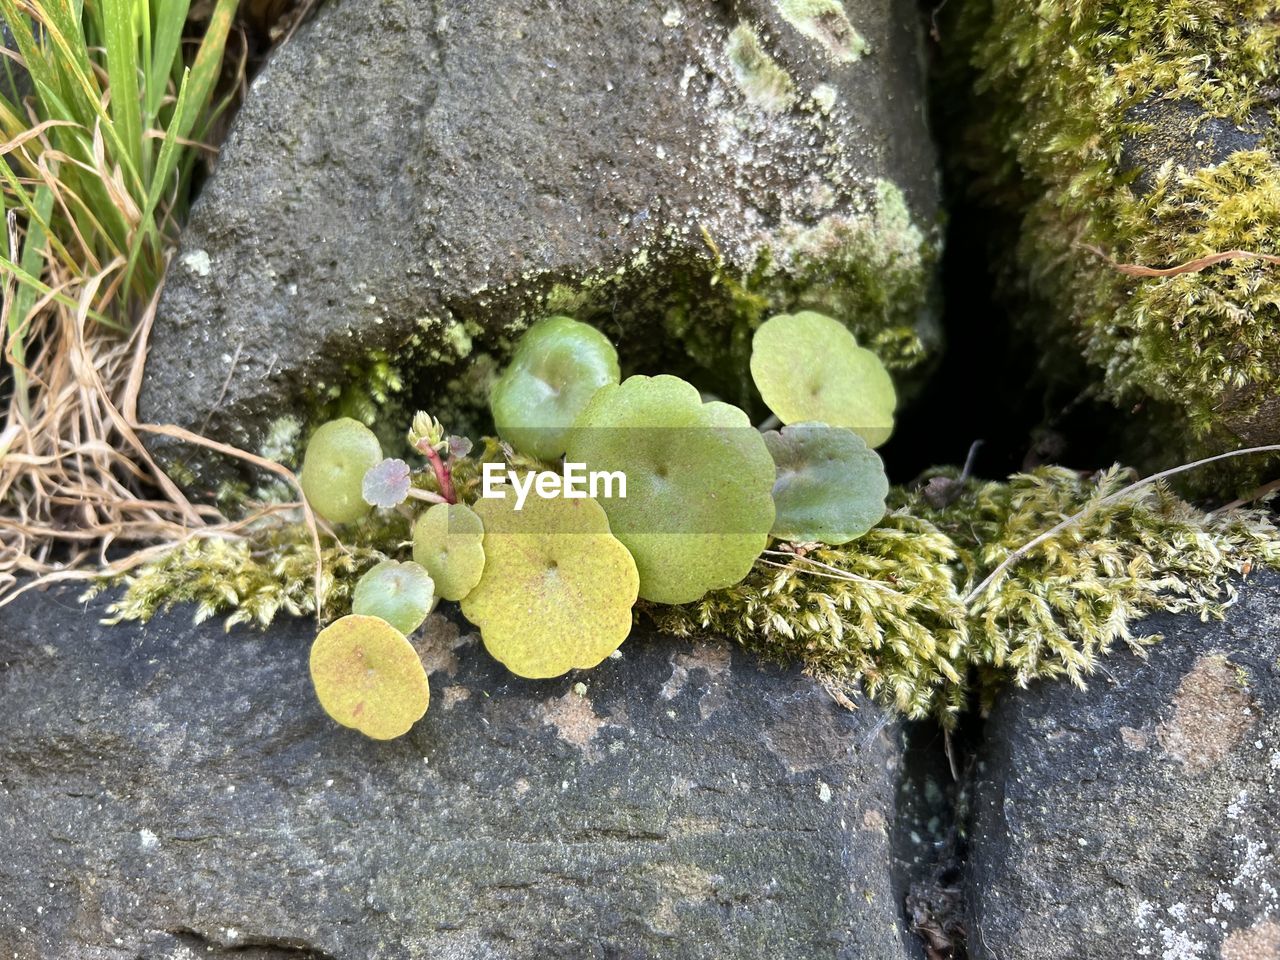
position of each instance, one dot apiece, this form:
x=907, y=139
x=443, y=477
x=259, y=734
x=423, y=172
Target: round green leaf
x=558, y=364
x=448, y=542
x=557, y=589
x=338, y=456
x=698, y=507
x=830, y=488
x=400, y=593
x=808, y=367
x=368, y=676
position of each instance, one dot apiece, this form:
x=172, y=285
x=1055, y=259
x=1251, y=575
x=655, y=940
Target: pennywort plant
x=551, y=581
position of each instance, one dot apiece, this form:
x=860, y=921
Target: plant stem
x=427, y=495
x=440, y=469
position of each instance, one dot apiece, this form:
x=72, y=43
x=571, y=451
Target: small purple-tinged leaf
x=387, y=483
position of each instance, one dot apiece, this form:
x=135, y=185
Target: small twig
x=1191, y=266
x=969, y=460
x=949, y=748
x=1252, y=497
x=301, y=14
x=226, y=385
x=770, y=422
x=1089, y=508
x=812, y=573
x=417, y=493
x=934, y=30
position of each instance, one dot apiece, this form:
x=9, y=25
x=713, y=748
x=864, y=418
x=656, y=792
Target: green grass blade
x=27, y=201
x=25, y=296
x=122, y=72
x=208, y=64
x=43, y=76
x=165, y=165
x=142, y=25
x=75, y=51
x=66, y=34
x=171, y=17
x=76, y=84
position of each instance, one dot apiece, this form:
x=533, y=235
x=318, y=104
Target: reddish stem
x=441, y=469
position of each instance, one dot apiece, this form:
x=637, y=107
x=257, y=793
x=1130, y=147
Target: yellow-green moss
x=1063, y=117
x=1208, y=338
x=888, y=610
x=252, y=580
x=371, y=391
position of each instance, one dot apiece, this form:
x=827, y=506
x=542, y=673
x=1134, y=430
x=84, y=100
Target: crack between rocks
x=281, y=947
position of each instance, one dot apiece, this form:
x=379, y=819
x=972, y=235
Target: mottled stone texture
x=1139, y=818
x=169, y=791
x=412, y=180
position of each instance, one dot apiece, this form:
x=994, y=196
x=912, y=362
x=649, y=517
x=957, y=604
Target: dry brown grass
x=80, y=495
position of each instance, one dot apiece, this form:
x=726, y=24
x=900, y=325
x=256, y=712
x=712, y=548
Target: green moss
x=1070, y=97
x=885, y=613
x=269, y=571
x=282, y=443
x=873, y=270
x=888, y=611
x=372, y=391
x=1204, y=341
x=874, y=273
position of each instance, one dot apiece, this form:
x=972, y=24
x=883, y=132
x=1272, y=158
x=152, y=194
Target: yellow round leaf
x=557, y=588
x=368, y=676
x=448, y=542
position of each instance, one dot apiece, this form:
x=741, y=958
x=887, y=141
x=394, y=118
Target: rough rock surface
x=174, y=792
x=406, y=183
x=1139, y=818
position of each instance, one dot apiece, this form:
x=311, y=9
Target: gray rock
x=410, y=182
x=1178, y=132
x=1139, y=818
x=174, y=792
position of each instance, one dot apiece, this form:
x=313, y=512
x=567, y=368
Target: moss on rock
x=1146, y=129
x=889, y=610
x=873, y=267
x=886, y=611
